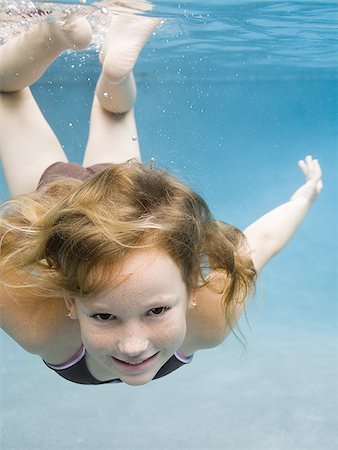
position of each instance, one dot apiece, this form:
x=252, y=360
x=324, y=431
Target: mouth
x=135, y=366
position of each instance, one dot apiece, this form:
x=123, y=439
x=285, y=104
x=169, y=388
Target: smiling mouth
x=132, y=366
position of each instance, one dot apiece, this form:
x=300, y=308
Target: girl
x=115, y=271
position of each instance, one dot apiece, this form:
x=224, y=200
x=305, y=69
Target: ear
x=192, y=303
x=70, y=305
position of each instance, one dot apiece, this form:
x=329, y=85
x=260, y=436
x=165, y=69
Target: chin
x=137, y=380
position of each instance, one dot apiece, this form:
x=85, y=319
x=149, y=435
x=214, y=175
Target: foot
x=25, y=58
x=73, y=32
x=124, y=41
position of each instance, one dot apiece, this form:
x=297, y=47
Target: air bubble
x=134, y=138
x=152, y=162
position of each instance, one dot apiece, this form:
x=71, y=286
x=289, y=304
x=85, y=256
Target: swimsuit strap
x=184, y=359
x=70, y=362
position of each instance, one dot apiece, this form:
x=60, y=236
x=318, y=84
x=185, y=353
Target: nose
x=133, y=341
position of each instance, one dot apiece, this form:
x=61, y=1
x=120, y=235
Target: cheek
x=173, y=331
x=93, y=338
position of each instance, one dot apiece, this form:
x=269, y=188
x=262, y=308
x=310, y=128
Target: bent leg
x=25, y=58
x=112, y=137
x=125, y=39
x=27, y=143
x=113, y=132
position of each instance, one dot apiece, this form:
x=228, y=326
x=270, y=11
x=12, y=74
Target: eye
x=159, y=311
x=103, y=317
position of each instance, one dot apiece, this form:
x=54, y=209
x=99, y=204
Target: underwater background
x=231, y=94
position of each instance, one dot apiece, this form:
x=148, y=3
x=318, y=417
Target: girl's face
x=133, y=328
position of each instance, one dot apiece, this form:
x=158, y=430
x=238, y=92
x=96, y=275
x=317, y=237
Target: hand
x=313, y=186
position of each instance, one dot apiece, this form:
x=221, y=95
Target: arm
x=40, y=326
x=206, y=326
x=270, y=233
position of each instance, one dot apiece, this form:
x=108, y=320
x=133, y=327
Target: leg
x=27, y=143
x=112, y=137
x=113, y=133
x=24, y=59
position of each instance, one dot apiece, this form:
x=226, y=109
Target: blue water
x=229, y=99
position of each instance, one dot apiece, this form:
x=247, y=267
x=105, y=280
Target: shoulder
x=40, y=326
x=206, y=322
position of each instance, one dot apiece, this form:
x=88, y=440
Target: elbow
x=264, y=249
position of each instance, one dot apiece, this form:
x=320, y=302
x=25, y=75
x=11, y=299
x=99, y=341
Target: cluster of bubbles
x=18, y=16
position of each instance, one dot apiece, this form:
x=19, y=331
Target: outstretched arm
x=206, y=326
x=270, y=233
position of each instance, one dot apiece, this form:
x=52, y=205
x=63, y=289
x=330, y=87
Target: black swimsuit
x=76, y=370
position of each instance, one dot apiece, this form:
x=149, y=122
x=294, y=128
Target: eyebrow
x=160, y=301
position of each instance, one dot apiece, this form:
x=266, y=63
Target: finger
x=303, y=167
x=315, y=172
x=317, y=168
x=311, y=167
x=317, y=175
x=308, y=160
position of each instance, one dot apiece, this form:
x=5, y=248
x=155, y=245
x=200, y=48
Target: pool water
x=229, y=99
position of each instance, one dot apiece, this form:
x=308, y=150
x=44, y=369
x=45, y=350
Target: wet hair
x=68, y=238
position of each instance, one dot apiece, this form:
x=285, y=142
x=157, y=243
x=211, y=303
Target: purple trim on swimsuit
x=71, y=361
x=184, y=359
x=81, y=352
